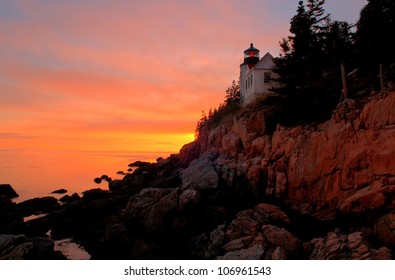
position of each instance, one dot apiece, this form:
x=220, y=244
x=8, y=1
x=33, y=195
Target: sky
x=101, y=75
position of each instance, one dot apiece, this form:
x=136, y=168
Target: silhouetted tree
x=375, y=30
x=233, y=93
x=302, y=64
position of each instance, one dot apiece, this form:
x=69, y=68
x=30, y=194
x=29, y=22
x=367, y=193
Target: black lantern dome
x=251, y=55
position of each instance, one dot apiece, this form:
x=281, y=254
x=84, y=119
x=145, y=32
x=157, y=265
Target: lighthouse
x=251, y=56
x=255, y=75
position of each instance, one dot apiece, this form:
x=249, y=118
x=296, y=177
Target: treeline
x=313, y=57
x=216, y=115
x=323, y=62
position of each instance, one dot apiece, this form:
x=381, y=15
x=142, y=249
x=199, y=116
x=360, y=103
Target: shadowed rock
x=6, y=189
x=60, y=191
x=19, y=247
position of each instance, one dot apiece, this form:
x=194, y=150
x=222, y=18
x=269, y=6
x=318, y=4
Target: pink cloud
x=91, y=67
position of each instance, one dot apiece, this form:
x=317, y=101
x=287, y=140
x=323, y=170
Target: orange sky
x=127, y=75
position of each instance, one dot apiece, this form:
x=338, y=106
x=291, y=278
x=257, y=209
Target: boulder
x=60, y=191
x=9, y=215
x=385, y=229
x=289, y=243
x=201, y=173
x=19, y=247
x=6, y=205
x=116, y=233
x=270, y=214
x=189, y=152
x=94, y=194
x=254, y=251
x=369, y=198
x=39, y=204
x=97, y=180
x=217, y=237
x=7, y=190
x=70, y=198
x=145, y=212
x=157, y=211
x=139, y=163
x=339, y=246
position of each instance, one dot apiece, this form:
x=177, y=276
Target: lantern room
x=251, y=55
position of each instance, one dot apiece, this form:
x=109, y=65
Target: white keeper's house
x=255, y=75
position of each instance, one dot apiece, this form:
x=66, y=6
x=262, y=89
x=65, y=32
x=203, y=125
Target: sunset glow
x=126, y=75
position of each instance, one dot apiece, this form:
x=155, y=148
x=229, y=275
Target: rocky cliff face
x=341, y=169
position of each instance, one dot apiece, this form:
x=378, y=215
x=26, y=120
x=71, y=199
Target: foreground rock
x=258, y=233
x=7, y=190
x=339, y=246
x=38, y=205
x=19, y=247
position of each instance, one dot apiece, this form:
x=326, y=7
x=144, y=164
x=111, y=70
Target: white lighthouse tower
x=255, y=75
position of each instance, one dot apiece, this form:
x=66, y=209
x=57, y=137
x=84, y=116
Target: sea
x=38, y=172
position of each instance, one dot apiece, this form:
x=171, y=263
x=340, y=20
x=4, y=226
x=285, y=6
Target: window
x=267, y=77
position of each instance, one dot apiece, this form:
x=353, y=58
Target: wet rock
x=7, y=190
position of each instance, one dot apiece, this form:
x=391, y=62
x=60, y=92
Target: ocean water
x=36, y=173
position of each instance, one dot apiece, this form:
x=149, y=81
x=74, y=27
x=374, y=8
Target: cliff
x=342, y=169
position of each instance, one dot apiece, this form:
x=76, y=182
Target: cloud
x=73, y=72
x=15, y=135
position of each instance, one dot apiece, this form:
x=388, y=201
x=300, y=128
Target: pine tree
x=375, y=30
x=302, y=65
x=233, y=93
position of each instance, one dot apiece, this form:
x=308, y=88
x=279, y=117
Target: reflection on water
x=36, y=173
x=71, y=250
x=33, y=217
